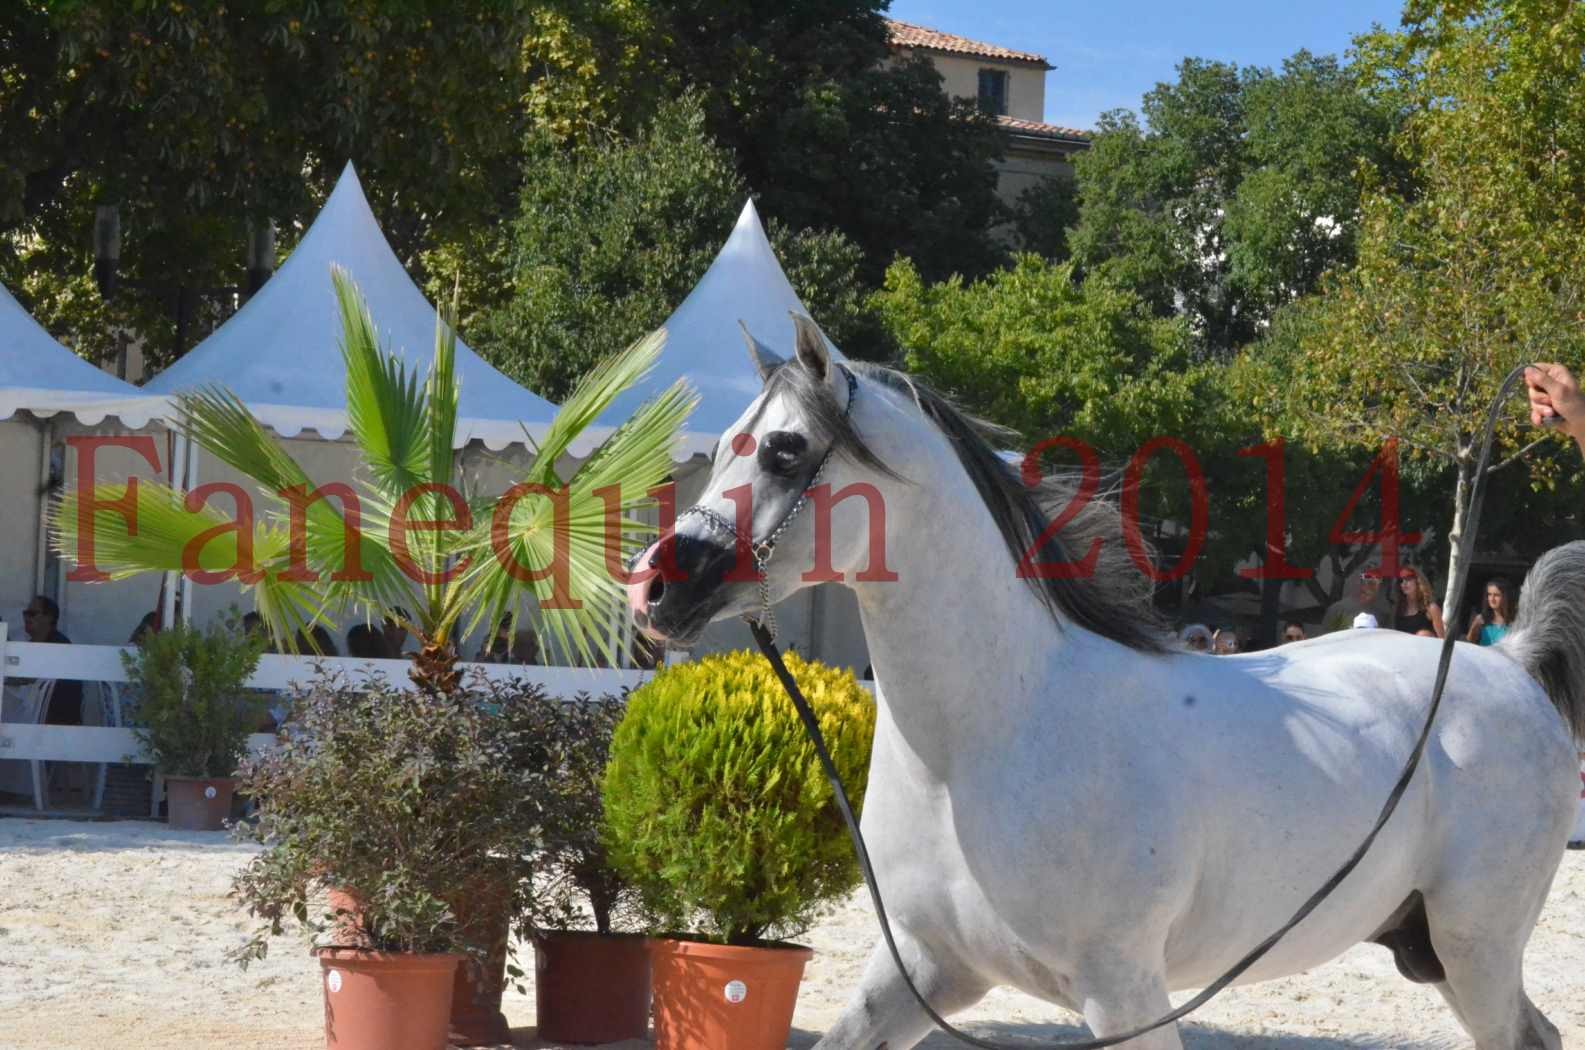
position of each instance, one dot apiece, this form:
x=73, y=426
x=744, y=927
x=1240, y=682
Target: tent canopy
x=281, y=353
x=704, y=344
x=41, y=376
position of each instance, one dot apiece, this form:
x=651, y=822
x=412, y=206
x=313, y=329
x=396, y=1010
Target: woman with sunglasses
x=1417, y=611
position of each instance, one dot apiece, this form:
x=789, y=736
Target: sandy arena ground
x=112, y=937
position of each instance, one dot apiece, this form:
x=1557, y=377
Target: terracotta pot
x=386, y=1000
x=714, y=996
x=198, y=803
x=484, y=912
x=591, y=987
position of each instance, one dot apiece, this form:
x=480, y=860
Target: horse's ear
x=811, y=347
x=765, y=360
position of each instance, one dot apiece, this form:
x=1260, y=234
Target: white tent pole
x=41, y=550
x=178, y=474
x=189, y=482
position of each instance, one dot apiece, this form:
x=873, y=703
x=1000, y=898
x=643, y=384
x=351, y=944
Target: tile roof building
x=1009, y=84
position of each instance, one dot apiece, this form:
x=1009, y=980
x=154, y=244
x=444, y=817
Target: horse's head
x=771, y=480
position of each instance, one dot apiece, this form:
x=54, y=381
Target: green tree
x=1474, y=273
x=1236, y=193
x=200, y=120
x=1034, y=349
x=611, y=236
x=829, y=130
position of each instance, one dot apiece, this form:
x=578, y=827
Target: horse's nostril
x=657, y=589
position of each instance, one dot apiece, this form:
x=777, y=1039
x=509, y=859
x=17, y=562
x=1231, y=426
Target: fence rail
x=102, y=664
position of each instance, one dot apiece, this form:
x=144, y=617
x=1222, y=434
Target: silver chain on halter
x=761, y=552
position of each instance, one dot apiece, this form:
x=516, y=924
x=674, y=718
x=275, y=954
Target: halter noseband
x=761, y=552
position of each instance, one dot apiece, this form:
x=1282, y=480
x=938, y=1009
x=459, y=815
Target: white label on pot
x=209, y=792
x=736, y=991
x=333, y=980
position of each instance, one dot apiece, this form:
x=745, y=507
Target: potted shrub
x=194, y=713
x=592, y=983
x=717, y=810
x=412, y=806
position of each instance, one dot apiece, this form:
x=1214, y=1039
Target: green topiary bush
x=716, y=806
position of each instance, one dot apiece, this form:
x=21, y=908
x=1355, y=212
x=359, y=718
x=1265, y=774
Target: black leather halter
x=762, y=550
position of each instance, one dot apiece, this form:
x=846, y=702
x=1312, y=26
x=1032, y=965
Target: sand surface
x=112, y=937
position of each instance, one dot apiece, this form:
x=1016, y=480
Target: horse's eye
x=781, y=451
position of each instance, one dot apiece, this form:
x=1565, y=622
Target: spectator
x=366, y=643
x=253, y=625
x=1225, y=642
x=505, y=647
x=394, y=628
x=1196, y=638
x=317, y=642
x=40, y=619
x=1416, y=612
x=150, y=624
x=647, y=654
x=1494, y=617
x=1366, y=598
x=1293, y=631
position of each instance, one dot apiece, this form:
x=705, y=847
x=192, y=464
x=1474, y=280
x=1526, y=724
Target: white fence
x=91, y=664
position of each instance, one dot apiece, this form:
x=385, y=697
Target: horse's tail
x=1548, y=636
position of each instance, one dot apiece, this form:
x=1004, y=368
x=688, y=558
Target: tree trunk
x=1452, y=611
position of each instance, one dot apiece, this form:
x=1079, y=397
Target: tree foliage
x=1475, y=272
x=198, y=119
x=1034, y=349
x=828, y=129
x=1235, y=194
x=613, y=233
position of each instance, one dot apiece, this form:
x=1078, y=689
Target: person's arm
x=1434, y=611
x=1553, y=393
x=1476, y=622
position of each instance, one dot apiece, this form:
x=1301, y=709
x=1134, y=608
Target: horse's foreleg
x=884, y=1015
x=1120, y=999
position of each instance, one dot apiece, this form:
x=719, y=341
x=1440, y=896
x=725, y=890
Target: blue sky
x=1109, y=53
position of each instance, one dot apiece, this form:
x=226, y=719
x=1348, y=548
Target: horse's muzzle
x=676, y=587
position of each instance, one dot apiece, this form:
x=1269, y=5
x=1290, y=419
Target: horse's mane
x=1113, y=600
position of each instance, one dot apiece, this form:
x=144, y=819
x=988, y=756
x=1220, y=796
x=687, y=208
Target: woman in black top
x=1417, y=613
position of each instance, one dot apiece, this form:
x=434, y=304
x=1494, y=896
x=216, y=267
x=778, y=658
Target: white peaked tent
x=744, y=286
x=42, y=376
x=704, y=344
x=281, y=353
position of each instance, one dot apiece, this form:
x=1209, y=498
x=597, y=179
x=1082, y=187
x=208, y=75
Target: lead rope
x=766, y=640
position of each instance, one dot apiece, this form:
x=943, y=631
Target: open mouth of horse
x=678, y=586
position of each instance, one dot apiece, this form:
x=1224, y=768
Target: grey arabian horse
x=1060, y=803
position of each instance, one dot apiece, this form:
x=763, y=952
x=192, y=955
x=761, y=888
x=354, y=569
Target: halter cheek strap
x=762, y=550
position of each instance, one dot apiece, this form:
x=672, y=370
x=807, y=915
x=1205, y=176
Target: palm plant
x=319, y=552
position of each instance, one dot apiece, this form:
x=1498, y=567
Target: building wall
x=1026, y=84
x=1021, y=169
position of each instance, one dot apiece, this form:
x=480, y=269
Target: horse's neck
x=960, y=646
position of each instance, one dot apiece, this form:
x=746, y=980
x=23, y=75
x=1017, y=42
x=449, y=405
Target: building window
x=993, y=92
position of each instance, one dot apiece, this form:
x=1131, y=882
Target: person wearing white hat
x=1366, y=620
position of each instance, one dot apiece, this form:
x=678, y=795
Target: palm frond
x=442, y=395
x=566, y=549
x=222, y=425
x=386, y=409
x=592, y=396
